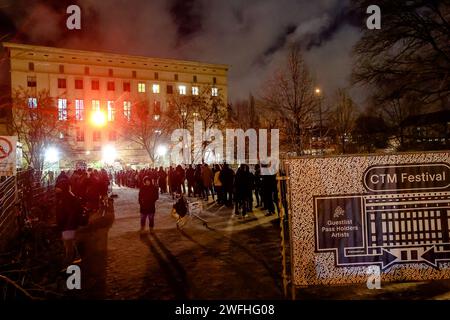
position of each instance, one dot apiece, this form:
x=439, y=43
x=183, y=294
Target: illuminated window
x=141, y=87
x=78, y=84
x=214, y=92
x=95, y=105
x=195, y=91
x=80, y=135
x=155, y=88
x=62, y=109
x=182, y=89
x=79, y=110
x=32, y=103
x=127, y=110
x=62, y=83
x=111, y=111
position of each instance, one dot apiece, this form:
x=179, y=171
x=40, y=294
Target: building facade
x=85, y=82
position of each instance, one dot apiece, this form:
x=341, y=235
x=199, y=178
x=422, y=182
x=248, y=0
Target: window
x=156, y=110
x=62, y=83
x=78, y=84
x=214, y=80
x=111, y=111
x=61, y=68
x=127, y=110
x=110, y=72
x=214, y=92
x=32, y=103
x=112, y=135
x=97, y=135
x=155, y=88
x=182, y=89
x=30, y=66
x=169, y=89
x=141, y=87
x=95, y=105
x=79, y=110
x=133, y=74
x=176, y=77
x=126, y=87
x=95, y=85
x=156, y=76
x=31, y=81
x=195, y=91
x=86, y=71
x=62, y=109
x=194, y=78
x=111, y=86
x=80, y=135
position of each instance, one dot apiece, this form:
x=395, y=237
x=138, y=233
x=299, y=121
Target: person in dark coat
x=226, y=176
x=162, y=180
x=241, y=189
x=257, y=185
x=148, y=195
x=190, y=177
x=68, y=217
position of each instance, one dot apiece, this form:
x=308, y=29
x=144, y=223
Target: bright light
x=98, y=118
x=109, y=154
x=318, y=91
x=161, y=150
x=52, y=155
x=88, y=152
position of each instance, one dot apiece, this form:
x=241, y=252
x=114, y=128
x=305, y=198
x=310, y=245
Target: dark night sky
x=249, y=35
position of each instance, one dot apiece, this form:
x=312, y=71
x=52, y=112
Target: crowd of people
x=242, y=188
x=82, y=191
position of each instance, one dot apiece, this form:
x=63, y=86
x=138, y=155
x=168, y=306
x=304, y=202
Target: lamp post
x=319, y=94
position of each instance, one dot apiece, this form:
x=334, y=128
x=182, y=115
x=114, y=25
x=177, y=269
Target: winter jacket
x=147, y=199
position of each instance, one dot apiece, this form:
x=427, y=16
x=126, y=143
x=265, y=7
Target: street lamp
x=98, y=118
x=51, y=155
x=161, y=150
x=109, y=154
x=319, y=94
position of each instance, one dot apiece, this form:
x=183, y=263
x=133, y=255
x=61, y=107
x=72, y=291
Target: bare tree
x=343, y=116
x=290, y=95
x=411, y=52
x=36, y=122
x=145, y=126
x=209, y=109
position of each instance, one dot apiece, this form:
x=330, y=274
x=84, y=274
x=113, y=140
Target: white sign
x=8, y=155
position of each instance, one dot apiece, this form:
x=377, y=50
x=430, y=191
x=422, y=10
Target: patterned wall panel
x=350, y=212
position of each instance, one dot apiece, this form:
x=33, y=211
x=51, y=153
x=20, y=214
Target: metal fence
x=22, y=196
x=8, y=199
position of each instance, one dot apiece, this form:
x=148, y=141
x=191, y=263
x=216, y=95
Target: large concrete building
x=82, y=82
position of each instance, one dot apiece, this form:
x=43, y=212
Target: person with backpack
x=148, y=195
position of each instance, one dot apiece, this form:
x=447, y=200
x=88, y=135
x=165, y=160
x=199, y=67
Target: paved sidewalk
x=232, y=259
